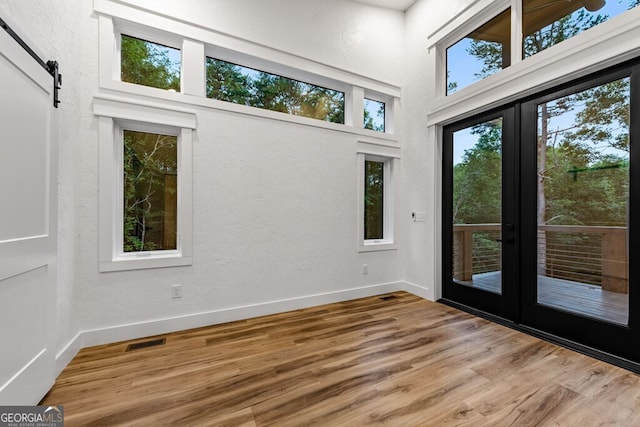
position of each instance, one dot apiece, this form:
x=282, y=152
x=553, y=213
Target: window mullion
x=516, y=31
x=354, y=108
x=387, y=205
x=118, y=192
x=193, y=77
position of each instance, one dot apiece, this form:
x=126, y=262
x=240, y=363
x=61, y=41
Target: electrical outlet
x=176, y=291
x=365, y=268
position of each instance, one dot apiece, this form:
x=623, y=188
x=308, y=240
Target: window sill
x=190, y=100
x=141, y=262
x=375, y=246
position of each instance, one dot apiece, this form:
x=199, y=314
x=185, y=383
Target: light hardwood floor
x=395, y=359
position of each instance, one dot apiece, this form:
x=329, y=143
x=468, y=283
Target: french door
x=539, y=202
x=479, y=204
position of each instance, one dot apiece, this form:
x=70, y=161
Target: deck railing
x=593, y=255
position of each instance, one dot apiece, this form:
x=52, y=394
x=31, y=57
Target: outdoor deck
x=588, y=300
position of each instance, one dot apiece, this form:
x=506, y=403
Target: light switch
x=419, y=216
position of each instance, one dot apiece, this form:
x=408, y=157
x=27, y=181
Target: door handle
x=506, y=240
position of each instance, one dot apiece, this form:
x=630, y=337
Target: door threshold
x=554, y=339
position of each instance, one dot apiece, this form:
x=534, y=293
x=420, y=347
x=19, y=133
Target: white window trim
x=389, y=110
x=115, y=115
x=196, y=42
x=471, y=16
x=607, y=44
x=148, y=35
x=389, y=155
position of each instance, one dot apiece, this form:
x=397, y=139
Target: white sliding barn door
x=28, y=212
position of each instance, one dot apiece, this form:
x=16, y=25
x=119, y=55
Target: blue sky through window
x=464, y=140
x=376, y=111
x=463, y=68
x=174, y=55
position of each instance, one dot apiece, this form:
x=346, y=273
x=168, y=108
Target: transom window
x=374, y=115
x=247, y=86
x=545, y=23
x=149, y=64
x=150, y=57
x=482, y=52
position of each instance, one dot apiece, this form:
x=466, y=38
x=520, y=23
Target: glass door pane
x=477, y=206
x=582, y=202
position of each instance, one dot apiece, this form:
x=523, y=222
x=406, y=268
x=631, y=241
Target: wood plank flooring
x=395, y=359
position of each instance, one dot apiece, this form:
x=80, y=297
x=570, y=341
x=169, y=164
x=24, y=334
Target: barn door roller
x=52, y=67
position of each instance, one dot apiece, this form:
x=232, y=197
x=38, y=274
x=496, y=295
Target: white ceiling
x=400, y=5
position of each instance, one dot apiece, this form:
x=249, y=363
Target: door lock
x=506, y=240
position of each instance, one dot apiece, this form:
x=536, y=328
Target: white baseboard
x=418, y=290
x=131, y=331
x=68, y=352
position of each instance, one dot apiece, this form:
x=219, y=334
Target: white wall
x=352, y=36
x=274, y=202
x=421, y=163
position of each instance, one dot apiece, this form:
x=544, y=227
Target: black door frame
x=518, y=307
x=505, y=304
x=621, y=340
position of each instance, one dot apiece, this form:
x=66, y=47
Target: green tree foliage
x=148, y=64
x=373, y=200
x=583, y=171
x=477, y=192
x=370, y=121
x=489, y=53
x=603, y=115
x=226, y=82
x=149, y=159
x=560, y=30
x=451, y=86
x=586, y=187
x=477, y=180
x=240, y=85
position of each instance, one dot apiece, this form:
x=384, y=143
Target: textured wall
x=362, y=39
x=421, y=169
x=274, y=202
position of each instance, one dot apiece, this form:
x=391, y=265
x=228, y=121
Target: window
x=137, y=54
x=150, y=191
x=482, y=52
x=548, y=23
x=247, y=86
x=545, y=23
x=376, y=217
x=374, y=115
x=373, y=200
x=150, y=64
x=145, y=185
